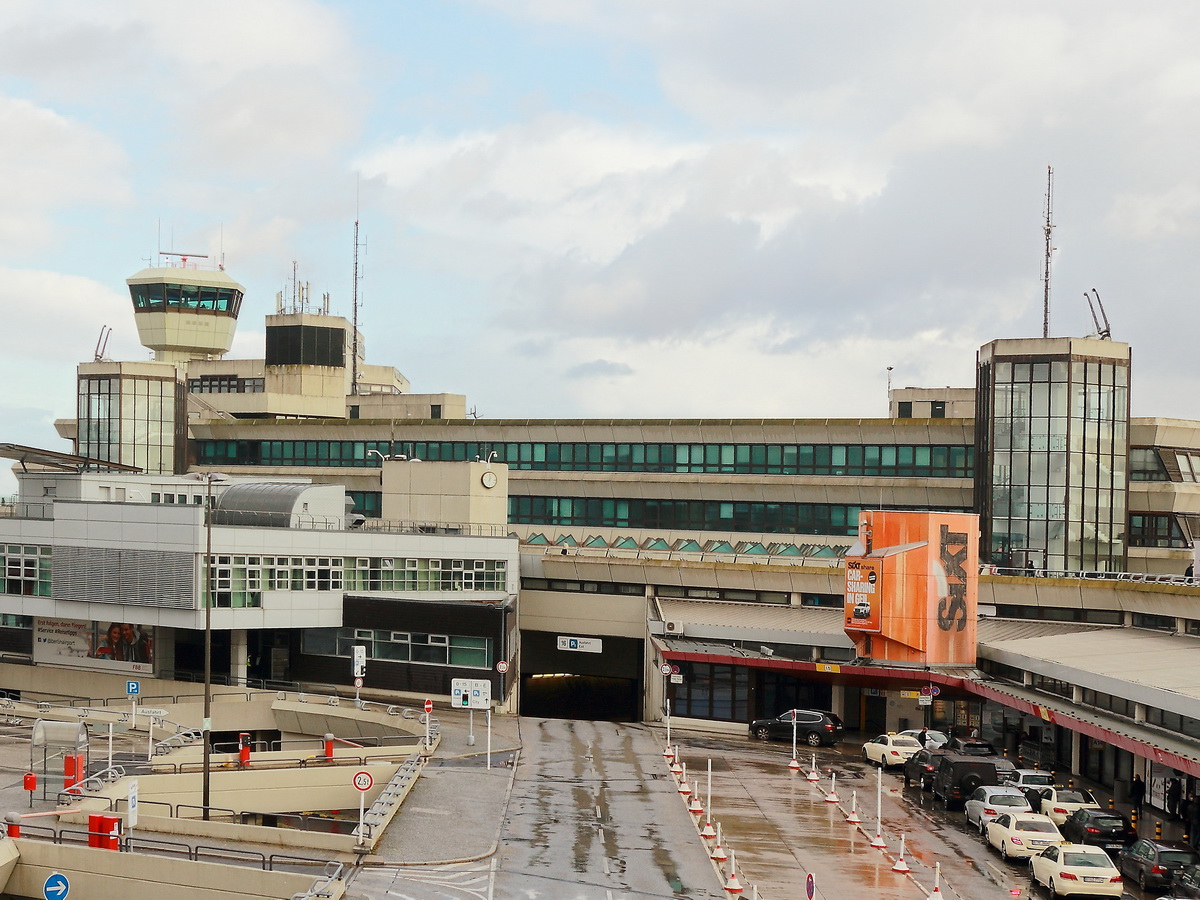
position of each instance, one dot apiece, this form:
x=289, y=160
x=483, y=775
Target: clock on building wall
x=488, y=479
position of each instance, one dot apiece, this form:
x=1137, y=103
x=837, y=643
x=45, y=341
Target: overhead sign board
x=580, y=644
x=471, y=693
x=155, y=712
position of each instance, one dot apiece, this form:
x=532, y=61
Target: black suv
x=958, y=775
x=1100, y=828
x=813, y=727
x=919, y=768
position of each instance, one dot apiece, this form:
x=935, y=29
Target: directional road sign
x=156, y=712
x=471, y=693
x=57, y=886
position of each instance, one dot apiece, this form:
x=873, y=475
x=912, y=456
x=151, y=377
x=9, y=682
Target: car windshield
x=1075, y=797
x=1177, y=857
x=902, y=741
x=1085, y=860
x=1035, y=825
x=978, y=748
x=1008, y=800
x=1047, y=780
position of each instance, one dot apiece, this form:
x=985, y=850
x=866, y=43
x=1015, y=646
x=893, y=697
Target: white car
x=890, y=749
x=990, y=801
x=1021, y=835
x=1077, y=869
x=1058, y=803
x=933, y=739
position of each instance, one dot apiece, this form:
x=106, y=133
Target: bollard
x=1158, y=831
x=244, y=750
x=854, y=818
x=685, y=789
x=733, y=886
x=718, y=854
x=1111, y=804
x=900, y=865
x=328, y=745
x=12, y=824
x=832, y=796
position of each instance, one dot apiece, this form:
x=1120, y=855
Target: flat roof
x=67, y=462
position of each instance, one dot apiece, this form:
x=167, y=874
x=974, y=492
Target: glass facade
x=400, y=646
x=135, y=421
x=686, y=515
x=25, y=570
x=1056, y=439
x=192, y=297
x=890, y=460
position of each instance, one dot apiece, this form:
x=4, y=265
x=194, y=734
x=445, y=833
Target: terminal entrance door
x=580, y=677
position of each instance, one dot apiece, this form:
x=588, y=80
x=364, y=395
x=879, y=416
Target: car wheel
x=763, y=733
x=1004, y=851
x=982, y=829
x=1142, y=880
x=813, y=739
x=970, y=783
x=1053, y=892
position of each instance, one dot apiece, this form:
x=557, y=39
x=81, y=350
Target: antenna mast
x=1048, y=228
x=354, y=325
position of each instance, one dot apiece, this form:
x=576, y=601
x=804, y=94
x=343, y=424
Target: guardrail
x=1080, y=575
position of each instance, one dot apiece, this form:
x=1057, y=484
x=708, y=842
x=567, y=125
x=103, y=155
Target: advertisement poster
x=864, y=595
x=119, y=647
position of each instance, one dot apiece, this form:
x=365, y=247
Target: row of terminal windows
x=686, y=515
x=400, y=646
x=1155, y=530
x=1158, y=464
x=25, y=570
x=690, y=593
x=226, y=384
x=940, y=461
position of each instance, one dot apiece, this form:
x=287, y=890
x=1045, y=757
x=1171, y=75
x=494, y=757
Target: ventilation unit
x=673, y=626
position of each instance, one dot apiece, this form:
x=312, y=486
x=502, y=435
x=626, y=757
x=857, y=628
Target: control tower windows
x=192, y=297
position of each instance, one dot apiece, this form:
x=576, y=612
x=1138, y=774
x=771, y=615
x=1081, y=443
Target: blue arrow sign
x=56, y=887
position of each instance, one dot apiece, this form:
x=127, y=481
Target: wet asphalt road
x=783, y=828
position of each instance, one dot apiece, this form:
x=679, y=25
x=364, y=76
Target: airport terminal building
x=587, y=555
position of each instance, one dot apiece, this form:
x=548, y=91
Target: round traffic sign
x=428, y=706
x=926, y=691
x=665, y=668
x=935, y=690
x=810, y=886
x=674, y=670
x=358, y=682
x=502, y=666
x=363, y=780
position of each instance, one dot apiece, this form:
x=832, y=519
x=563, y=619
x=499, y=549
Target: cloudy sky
x=610, y=207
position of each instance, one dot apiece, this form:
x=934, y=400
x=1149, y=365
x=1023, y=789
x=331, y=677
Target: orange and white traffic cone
x=718, y=854
x=732, y=885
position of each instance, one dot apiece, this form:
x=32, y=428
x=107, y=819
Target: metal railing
x=1083, y=575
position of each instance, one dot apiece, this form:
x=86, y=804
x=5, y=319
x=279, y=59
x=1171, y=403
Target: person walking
x=1174, y=795
x=923, y=737
x=1137, y=793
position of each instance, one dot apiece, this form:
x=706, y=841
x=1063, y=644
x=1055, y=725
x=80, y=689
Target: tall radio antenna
x=354, y=302
x=1048, y=229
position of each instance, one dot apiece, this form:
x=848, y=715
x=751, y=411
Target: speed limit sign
x=363, y=781
x=665, y=668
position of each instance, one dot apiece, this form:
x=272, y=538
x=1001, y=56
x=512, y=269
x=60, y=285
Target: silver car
x=991, y=801
x=933, y=739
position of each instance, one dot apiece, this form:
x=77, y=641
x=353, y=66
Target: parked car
x=933, y=739
x=1077, y=869
x=1021, y=835
x=1058, y=803
x=1185, y=884
x=813, y=727
x=919, y=768
x=958, y=776
x=1154, y=863
x=889, y=749
x=1031, y=778
x=971, y=747
x=988, y=802
x=1101, y=828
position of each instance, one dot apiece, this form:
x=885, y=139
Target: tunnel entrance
x=581, y=677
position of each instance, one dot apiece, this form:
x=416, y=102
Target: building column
x=239, y=656
x=1076, y=752
x=837, y=700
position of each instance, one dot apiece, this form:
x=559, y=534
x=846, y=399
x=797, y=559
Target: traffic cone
x=708, y=832
x=853, y=818
x=813, y=775
x=901, y=866
x=732, y=885
x=669, y=754
x=832, y=796
x=695, y=807
x=937, y=879
x=878, y=842
x=717, y=854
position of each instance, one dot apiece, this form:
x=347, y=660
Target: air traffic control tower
x=185, y=313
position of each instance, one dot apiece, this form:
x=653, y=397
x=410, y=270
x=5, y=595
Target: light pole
x=206, y=727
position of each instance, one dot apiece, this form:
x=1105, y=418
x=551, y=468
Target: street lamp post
x=206, y=727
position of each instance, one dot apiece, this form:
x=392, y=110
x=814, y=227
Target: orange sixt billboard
x=911, y=587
